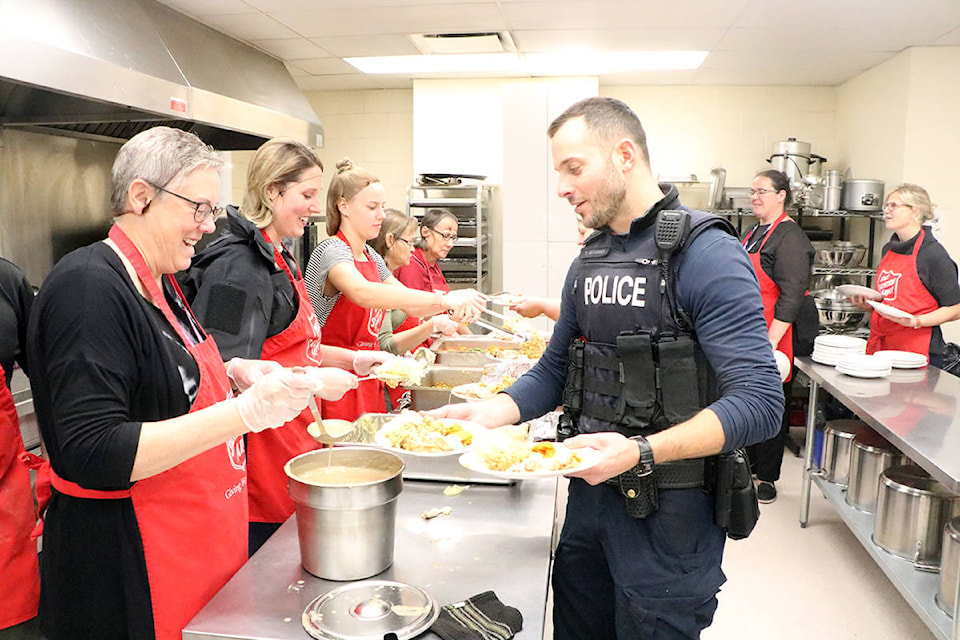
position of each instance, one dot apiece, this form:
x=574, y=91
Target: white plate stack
x=864, y=366
x=828, y=349
x=903, y=359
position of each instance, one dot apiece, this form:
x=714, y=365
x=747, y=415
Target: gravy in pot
x=341, y=475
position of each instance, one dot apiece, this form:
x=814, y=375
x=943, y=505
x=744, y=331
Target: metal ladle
x=341, y=428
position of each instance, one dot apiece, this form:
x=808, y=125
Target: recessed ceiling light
x=535, y=64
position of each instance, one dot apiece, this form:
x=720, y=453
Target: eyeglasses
x=409, y=243
x=447, y=237
x=201, y=210
x=893, y=206
x=760, y=192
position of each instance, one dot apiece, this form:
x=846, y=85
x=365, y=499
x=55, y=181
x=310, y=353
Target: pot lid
x=370, y=609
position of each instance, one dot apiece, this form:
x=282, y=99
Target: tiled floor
x=817, y=583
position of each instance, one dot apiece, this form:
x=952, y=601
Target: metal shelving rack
x=468, y=264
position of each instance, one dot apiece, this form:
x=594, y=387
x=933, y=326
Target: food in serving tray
x=401, y=370
x=485, y=388
x=418, y=433
x=521, y=456
x=532, y=349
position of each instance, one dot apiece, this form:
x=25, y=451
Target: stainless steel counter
x=916, y=410
x=496, y=538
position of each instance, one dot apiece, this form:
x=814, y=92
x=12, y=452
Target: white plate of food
x=419, y=435
x=520, y=460
x=851, y=290
x=396, y=371
x=474, y=391
x=888, y=311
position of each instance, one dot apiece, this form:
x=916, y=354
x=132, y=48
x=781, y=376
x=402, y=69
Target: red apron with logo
x=354, y=327
x=267, y=451
x=899, y=282
x=769, y=293
x=192, y=517
x=19, y=571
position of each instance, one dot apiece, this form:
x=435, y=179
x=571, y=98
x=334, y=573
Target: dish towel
x=482, y=617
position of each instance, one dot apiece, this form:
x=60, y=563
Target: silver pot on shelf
x=862, y=195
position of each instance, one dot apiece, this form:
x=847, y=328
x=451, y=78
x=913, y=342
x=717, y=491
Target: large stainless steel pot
x=346, y=506
x=949, y=566
x=838, y=438
x=862, y=195
x=792, y=157
x=912, y=509
x=870, y=456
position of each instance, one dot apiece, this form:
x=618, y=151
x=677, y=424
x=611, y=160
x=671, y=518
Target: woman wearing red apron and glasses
x=782, y=258
x=401, y=332
x=247, y=291
x=916, y=275
x=19, y=574
x=350, y=285
x=148, y=514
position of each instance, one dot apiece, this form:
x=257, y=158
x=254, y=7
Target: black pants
x=767, y=456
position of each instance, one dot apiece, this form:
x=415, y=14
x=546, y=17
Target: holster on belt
x=639, y=493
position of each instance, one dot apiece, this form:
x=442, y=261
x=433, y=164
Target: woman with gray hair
x=915, y=275
x=148, y=512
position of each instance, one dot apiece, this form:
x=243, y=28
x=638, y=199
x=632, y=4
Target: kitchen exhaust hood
x=112, y=68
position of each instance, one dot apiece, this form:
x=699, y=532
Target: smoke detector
x=453, y=43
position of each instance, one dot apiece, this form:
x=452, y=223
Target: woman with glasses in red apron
x=351, y=287
x=782, y=258
x=19, y=573
x=247, y=291
x=915, y=274
x=148, y=513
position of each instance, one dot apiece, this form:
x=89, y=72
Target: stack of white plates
x=903, y=359
x=828, y=349
x=864, y=366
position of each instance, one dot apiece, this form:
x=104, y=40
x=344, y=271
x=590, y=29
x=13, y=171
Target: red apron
x=354, y=327
x=899, y=282
x=769, y=293
x=192, y=517
x=267, y=451
x=19, y=572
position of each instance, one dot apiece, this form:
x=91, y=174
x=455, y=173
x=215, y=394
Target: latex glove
x=276, y=398
x=243, y=372
x=443, y=324
x=365, y=360
x=465, y=305
x=330, y=383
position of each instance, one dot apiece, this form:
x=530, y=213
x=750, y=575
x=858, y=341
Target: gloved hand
x=465, y=304
x=365, y=360
x=330, y=383
x=276, y=398
x=245, y=372
x=443, y=324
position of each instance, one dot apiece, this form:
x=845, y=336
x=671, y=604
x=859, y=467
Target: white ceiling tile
x=649, y=78
x=949, y=38
x=325, y=66
x=270, y=6
x=250, y=27
x=295, y=70
x=209, y=7
x=617, y=39
x=774, y=77
x=410, y=19
x=619, y=14
x=385, y=45
x=352, y=82
x=291, y=48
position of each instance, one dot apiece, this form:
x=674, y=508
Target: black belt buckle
x=639, y=493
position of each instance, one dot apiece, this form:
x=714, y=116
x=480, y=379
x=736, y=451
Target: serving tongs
x=493, y=327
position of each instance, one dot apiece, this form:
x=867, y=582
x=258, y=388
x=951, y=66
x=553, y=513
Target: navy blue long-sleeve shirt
x=717, y=287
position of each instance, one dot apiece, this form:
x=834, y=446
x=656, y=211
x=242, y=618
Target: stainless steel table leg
x=808, y=469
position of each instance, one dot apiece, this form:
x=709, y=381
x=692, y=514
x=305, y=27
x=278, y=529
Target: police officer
x=661, y=359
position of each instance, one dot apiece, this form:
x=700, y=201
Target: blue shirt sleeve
x=717, y=287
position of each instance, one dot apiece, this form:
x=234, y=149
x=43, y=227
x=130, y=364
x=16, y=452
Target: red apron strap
x=73, y=489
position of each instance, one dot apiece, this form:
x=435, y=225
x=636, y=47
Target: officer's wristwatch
x=645, y=465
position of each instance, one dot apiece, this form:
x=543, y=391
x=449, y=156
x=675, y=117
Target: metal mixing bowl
x=836, y=311
x=840, y=254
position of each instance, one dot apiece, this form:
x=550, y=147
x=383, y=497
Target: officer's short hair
x=608, y=119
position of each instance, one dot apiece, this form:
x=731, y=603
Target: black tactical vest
x=638, y=368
